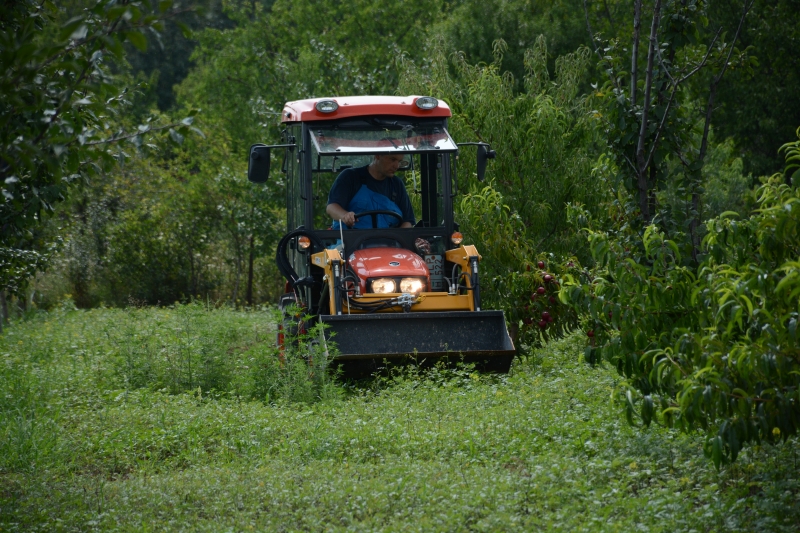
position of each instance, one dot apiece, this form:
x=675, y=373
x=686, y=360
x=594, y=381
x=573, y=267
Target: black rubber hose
x=282, y=260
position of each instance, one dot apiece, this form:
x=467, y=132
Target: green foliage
x=542, y=136
x=180, y=349
x=540, y=449
x=656, y=123
x=726, y=186
x=293, y=50
x=166, y=61
x=62, y=113
x=60, y=102
x=792, y=169
x=543, y=139
x=702, y=332
x=755, y=110
x=19, y=265
x=188, y=348
x=299, y=371
x=472, y=28
x=513, y=279
x=711, y=347
x=176, y=224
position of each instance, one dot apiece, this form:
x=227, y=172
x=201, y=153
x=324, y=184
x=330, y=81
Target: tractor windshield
x=422, y=170
x=399, y=137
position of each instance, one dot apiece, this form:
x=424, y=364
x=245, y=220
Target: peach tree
x=61, y=111
x=712, y=346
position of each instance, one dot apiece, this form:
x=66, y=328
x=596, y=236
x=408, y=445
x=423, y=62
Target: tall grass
x=68, y=357
x=280, y=447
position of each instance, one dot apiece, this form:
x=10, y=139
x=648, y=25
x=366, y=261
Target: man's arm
x=337, y=212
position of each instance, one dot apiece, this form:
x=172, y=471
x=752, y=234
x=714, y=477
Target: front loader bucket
x=364, y=341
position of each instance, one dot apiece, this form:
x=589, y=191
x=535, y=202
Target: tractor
x=384, y=293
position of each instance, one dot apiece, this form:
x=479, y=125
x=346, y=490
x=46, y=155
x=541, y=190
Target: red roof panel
x=359, y=106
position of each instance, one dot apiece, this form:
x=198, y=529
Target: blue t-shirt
x=349, y=182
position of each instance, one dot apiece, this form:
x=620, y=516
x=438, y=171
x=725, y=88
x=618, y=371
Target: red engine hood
x=387, y=262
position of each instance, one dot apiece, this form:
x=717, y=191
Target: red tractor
x=389, y=286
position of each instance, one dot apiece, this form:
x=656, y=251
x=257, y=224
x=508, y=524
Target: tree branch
x=610, y=71
x=637, y=24
x=132, y=135
x=718, y=78
x=640, y=157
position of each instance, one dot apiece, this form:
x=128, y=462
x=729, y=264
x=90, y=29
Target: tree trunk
x=235, y=298
x=251, y=260
x=641, y=160
x=637, y=24
x=238, y=262
x=3, y=309
x=192, y=282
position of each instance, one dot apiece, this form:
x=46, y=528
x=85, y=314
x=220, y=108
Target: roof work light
x=326, y=106
x=427, y=102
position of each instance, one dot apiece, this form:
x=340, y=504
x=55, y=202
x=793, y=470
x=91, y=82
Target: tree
x=712, y=347
x=648, y=121
x=60, y=112
x=699, y=318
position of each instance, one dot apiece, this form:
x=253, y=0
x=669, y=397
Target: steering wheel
x=374, y=214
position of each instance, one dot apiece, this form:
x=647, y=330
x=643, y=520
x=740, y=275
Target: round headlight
x=382, y=285
x=412, y=285
x=326, y=106
x=427, y=102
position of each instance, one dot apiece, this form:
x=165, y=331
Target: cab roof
x=359, y=106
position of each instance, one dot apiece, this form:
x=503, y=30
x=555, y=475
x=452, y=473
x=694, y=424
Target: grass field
x=179, y=420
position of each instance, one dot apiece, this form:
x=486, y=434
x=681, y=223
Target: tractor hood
x=387, y=262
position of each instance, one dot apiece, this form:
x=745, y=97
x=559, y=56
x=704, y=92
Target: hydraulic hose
x=282, y=261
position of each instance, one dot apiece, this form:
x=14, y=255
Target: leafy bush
x=712, y=346
x=517, y=279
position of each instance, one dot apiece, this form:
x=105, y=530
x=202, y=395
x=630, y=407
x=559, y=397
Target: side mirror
x=258, y=164
x=484, y=154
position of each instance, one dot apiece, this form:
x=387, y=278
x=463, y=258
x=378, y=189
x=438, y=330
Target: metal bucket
x=366, y=342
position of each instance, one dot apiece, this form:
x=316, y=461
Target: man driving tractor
x=369, y=188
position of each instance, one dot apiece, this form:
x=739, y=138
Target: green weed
x=440, y=450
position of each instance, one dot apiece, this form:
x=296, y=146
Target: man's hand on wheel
x=349, y=219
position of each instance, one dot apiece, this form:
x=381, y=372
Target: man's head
x=384, y=166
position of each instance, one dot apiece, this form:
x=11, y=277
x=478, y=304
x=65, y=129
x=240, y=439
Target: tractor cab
x=384, y=291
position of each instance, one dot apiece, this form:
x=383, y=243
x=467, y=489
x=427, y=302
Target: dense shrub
x=712, y=346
